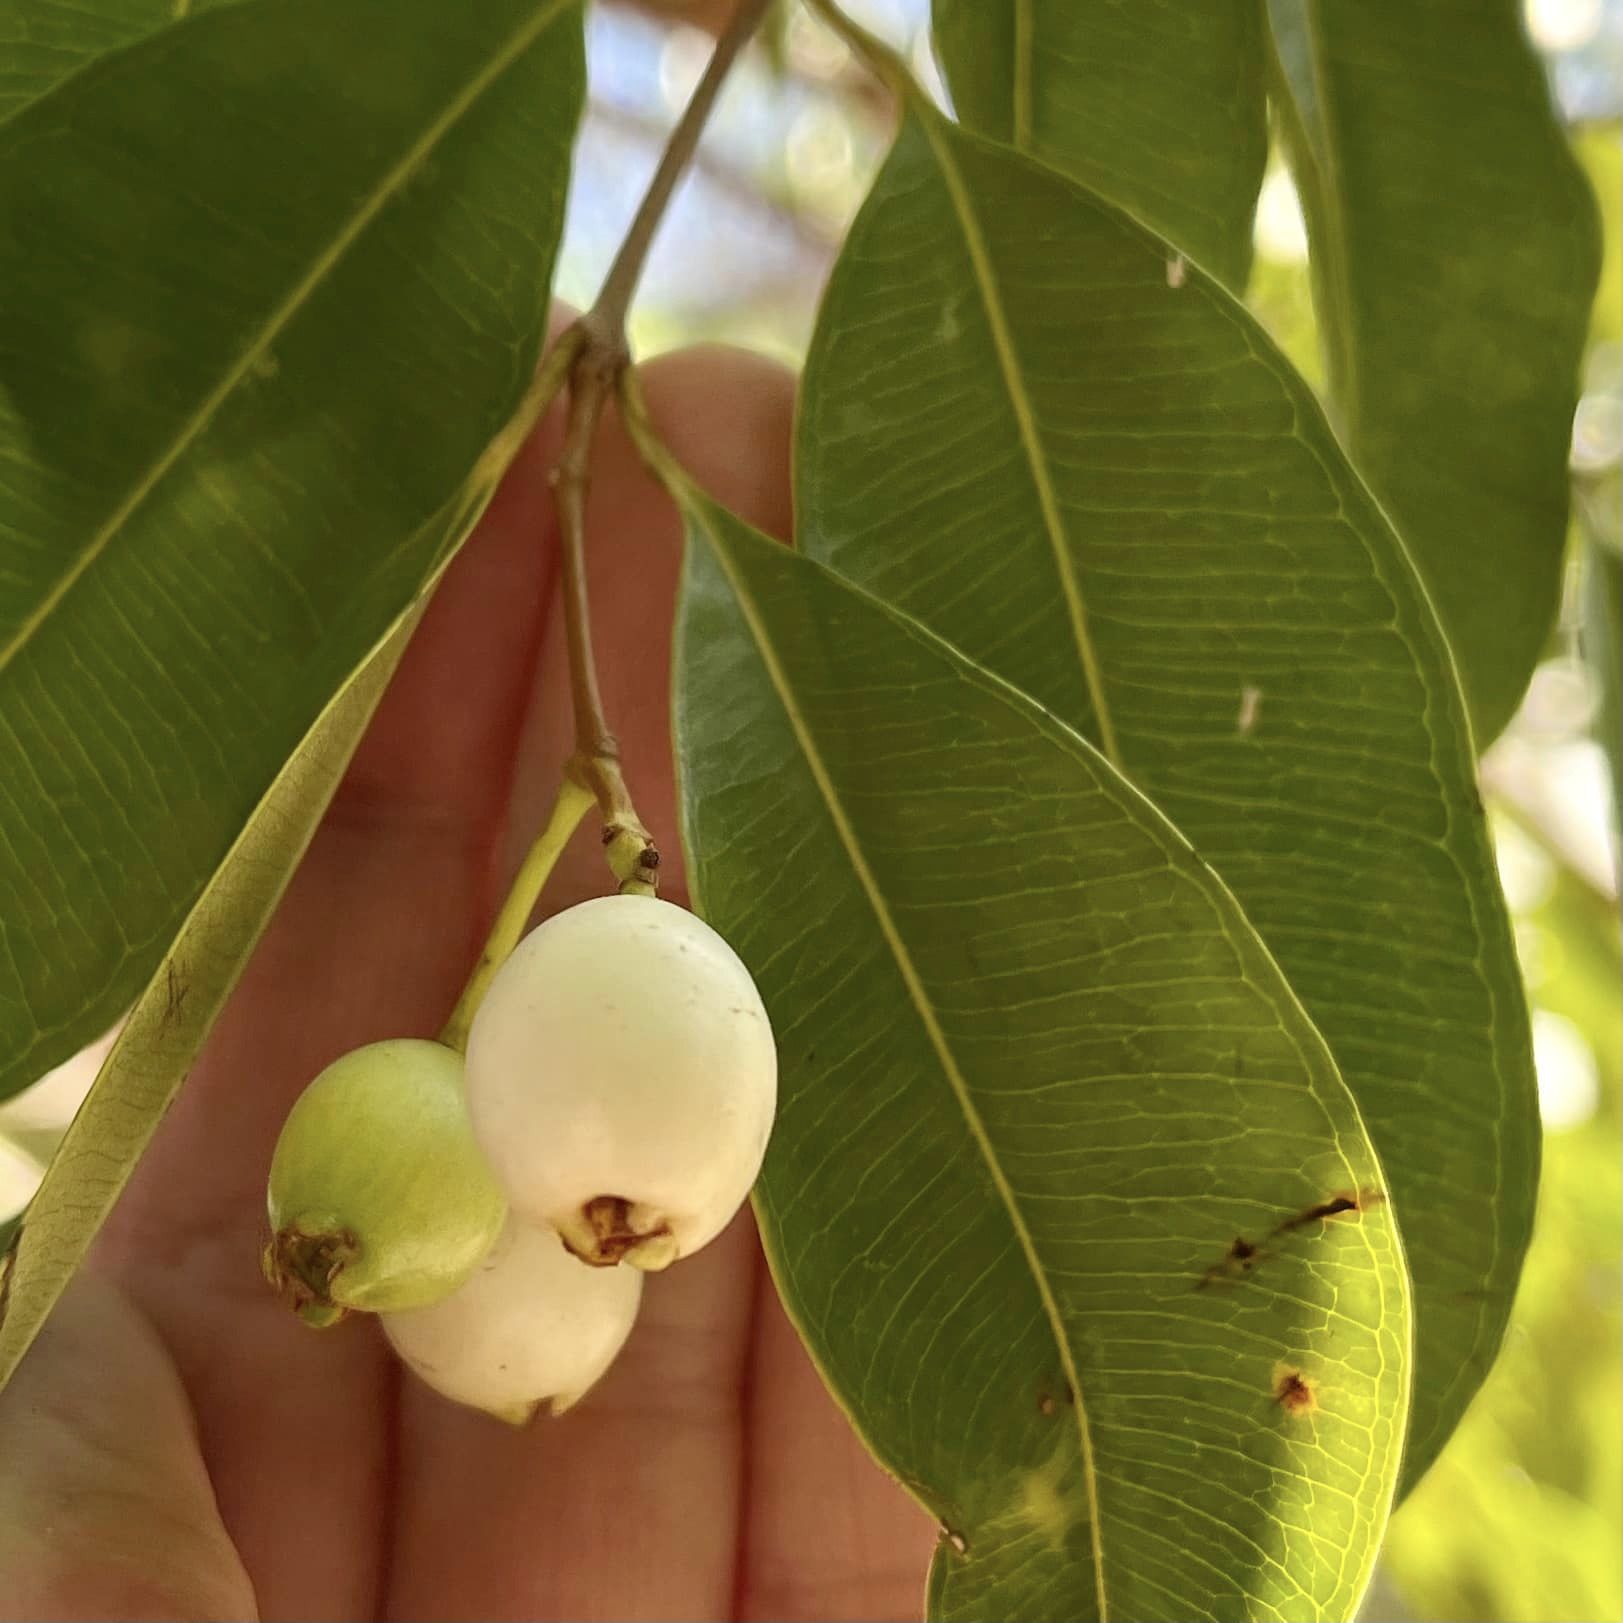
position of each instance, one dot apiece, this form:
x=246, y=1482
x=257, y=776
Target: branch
x=727, y=177
x=599, y=355
x=605, y=321
x=592, y=354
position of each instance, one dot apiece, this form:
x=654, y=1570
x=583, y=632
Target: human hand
x=177, y=1445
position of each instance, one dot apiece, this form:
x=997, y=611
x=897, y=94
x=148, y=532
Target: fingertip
x=106, y=1510
x=738, y=446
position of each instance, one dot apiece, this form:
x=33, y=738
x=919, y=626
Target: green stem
x=590, y=356
x=573, y=802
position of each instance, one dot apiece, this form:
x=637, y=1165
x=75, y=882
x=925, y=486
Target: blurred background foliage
x=1522, y=1517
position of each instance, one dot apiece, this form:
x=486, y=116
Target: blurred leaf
x=1162, y=109
x=1119, y=496
x=1600, y=151
x=44, y=42
x=286, y=267
x=1455, y=254
x=1603, y=647
x=1486, y=1541
x=164, y=1033
x=1037, y=1072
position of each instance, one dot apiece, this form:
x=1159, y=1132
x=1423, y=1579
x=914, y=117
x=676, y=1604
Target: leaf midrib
x=283, y=315
x=1020, y=109
x=1026, y=420
x=927, y=1018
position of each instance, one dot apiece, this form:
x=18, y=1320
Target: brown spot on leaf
x=1294, y=1393
x=1338, y=1205
x=1241, y=1257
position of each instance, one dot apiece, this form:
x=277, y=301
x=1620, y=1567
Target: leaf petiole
x=572, y=804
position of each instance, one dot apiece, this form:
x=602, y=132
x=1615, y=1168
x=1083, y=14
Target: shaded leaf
x=1037, y=1072
x=233, y=410
x=1455, y=252
x=166, y=1030
x=44, y=42
x=1161, y=108
x=1118, y=495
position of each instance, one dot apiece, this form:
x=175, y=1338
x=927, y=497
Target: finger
x=828, y=1534
x=378, y=929
x=628, y=1506
x=105, y=1508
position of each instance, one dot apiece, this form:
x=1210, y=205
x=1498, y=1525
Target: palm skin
x=178, y=1446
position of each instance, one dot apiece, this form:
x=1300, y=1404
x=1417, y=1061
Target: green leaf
x=1037, y=1073
x=1162, y=109
x=285, y=268
x=43, y=42
x=1119, y=496
x=1603, y=649
x=1455, y=252
x=161, y=1040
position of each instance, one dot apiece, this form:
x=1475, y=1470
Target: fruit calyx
x=301, y=1265
x=611, y=1229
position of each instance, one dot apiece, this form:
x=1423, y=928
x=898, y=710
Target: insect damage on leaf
x=1355, y=1201
x=1243, y=1255
x=1294, y=1393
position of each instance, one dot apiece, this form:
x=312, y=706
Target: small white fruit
x=533, y=1324
x=622, y=1080
x=379, y=1197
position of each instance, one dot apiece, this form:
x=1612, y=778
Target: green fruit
x=379, y=1197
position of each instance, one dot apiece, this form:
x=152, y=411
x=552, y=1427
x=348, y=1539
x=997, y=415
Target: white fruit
x=622, y=1080
x=533, y=1325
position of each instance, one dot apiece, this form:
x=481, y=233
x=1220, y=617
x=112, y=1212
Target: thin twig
x=737, y=183
x=599, y=355
x=884, y=63
x=605, y=322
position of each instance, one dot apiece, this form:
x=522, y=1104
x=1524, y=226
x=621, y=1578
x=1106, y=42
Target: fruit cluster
x=499, y=1209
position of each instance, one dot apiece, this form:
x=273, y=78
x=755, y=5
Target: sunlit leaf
x=1455, y=252
x=285, y=268
x=1118, y=495
x=1037, y=1074
x=1161, y=108
x=165, y=1031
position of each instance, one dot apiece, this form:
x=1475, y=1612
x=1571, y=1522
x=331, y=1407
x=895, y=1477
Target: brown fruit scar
x=301, y=1268
x=607, y=1219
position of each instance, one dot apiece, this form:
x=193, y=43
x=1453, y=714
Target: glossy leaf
x=1455, y=252
x=165, y=1031
x=285, y=267
x=1160, y=107
x=1037, y=1073
x=1118, y=495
